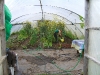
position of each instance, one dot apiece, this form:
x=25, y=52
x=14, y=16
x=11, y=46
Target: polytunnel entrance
x=32, y=38
x=43, y=55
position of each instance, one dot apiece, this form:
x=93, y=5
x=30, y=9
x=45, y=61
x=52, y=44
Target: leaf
x=81, y=18
x=82, y=25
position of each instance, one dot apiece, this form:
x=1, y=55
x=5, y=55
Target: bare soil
x=24, y=44
x=49, y=61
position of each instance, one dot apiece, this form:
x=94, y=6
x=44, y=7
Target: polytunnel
x=34, y=47
x=66, y=10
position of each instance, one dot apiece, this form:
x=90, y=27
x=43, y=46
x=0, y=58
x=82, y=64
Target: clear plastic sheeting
x=76, y=6
x=94, y=52
x=76, y=30
x=27, y=11
x=94, y=37
x=27, y=17
x=33, y=17
x=73, y=5
x=69, y=11
x=71, y=16
x=94, y=44
x=94, y=68
x=22, y=7
x=16, y=28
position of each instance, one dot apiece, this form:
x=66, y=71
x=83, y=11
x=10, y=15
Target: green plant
x=47, y=29
x=27, y=28
x=34, y=36
x=70, y=35
x=24, y=47
x=40, y=36
x=82, y=19
x=25, y=32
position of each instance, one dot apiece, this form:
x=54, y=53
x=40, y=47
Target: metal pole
x=41, y=9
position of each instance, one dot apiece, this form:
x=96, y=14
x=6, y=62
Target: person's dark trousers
x=55, y=35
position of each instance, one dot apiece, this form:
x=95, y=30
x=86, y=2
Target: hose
x=70, y=69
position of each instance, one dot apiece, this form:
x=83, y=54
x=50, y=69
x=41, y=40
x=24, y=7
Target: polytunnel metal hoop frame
x=55, y=7
x=41, y=8
x=93, y=28
x=61, y=8
x=91, y=58
x=44, y=18
x=47, y=13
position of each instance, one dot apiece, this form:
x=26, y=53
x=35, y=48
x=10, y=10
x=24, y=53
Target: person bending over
x=56, y=34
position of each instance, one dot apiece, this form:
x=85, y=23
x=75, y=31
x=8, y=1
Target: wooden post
x=2, y=36
x=85, y=67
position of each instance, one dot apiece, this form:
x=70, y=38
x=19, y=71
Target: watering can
x=62, y=39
